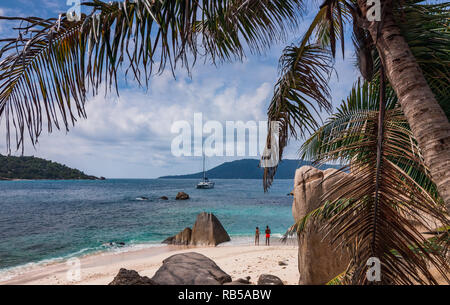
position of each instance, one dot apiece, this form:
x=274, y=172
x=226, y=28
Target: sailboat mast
x=204, y=173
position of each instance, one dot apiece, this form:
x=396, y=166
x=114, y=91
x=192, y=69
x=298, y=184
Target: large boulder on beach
x=182, y=196
x=269, y=279
x=182, y=238
x=131, y=277
x=208, y=230
x=190, y=269
x=318, y=261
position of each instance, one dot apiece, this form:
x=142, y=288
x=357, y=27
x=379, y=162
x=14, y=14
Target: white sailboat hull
x=205, y=185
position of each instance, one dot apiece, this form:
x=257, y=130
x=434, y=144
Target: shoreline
x=236, y=240
x=100, y=268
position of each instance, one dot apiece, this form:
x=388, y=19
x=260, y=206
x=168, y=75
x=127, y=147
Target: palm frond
x=364, y=49
x=300, y=93
x=47, y=70
x=316, y=218
x=332, y=25
x=338, y=280
x=383, y=213
x=425, y=28
x=376, y=210
x=363, y=98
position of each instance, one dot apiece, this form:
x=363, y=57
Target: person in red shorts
x=267, y=236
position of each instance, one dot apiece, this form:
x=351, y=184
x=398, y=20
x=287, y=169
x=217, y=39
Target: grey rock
x=190, y=269
x=318, y=261
x=268, y=279
x=130, y=277
x=182, y=238
x=208, y=230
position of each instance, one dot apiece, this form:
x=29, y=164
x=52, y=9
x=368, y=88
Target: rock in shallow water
x=182, y=196
x=131, y=277
x=182, y=238
x=190, y=269
x=208, y=230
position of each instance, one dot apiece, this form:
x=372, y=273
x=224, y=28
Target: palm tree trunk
x=426, y=118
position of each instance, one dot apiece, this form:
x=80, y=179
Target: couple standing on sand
x=267, y=236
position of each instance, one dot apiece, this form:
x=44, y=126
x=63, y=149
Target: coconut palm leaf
x=380, y=225
x=375, y=211
x=386, y=203
x=425, y=28
x=300, y=93
x=47, y=70
x=315, y=217
x=363, y=98
x=337, y=14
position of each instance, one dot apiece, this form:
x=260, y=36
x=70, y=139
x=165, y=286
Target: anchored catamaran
x=205, y=183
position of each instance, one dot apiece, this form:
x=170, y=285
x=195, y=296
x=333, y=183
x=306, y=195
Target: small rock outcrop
x=269, y=279
x=318, y=261
x=182, y=196
x=190, y=269
x=164, y=198
x=182, y=238
x=208, y=230
x=131, y=277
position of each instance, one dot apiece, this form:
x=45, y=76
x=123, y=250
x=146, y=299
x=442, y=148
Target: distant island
x=32, y=168
x=249, y=169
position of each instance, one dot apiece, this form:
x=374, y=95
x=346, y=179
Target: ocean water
x=42, y=221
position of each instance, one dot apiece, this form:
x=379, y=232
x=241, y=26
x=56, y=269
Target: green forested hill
x=37, y=168
x=249, y=169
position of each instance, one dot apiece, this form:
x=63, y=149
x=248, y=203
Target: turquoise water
x=45, y=220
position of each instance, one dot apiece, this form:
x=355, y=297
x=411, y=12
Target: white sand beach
x=100, y=269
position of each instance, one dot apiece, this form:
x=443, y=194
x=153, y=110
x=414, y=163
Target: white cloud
x=2, y=22
x=129, y=136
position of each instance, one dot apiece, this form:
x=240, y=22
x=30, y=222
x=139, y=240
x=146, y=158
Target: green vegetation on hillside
x=37, y=168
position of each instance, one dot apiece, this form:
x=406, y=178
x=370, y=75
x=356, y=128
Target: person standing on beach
x=257, y=236
x=267, y=236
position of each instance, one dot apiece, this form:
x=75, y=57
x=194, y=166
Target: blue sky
x=129, y=136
